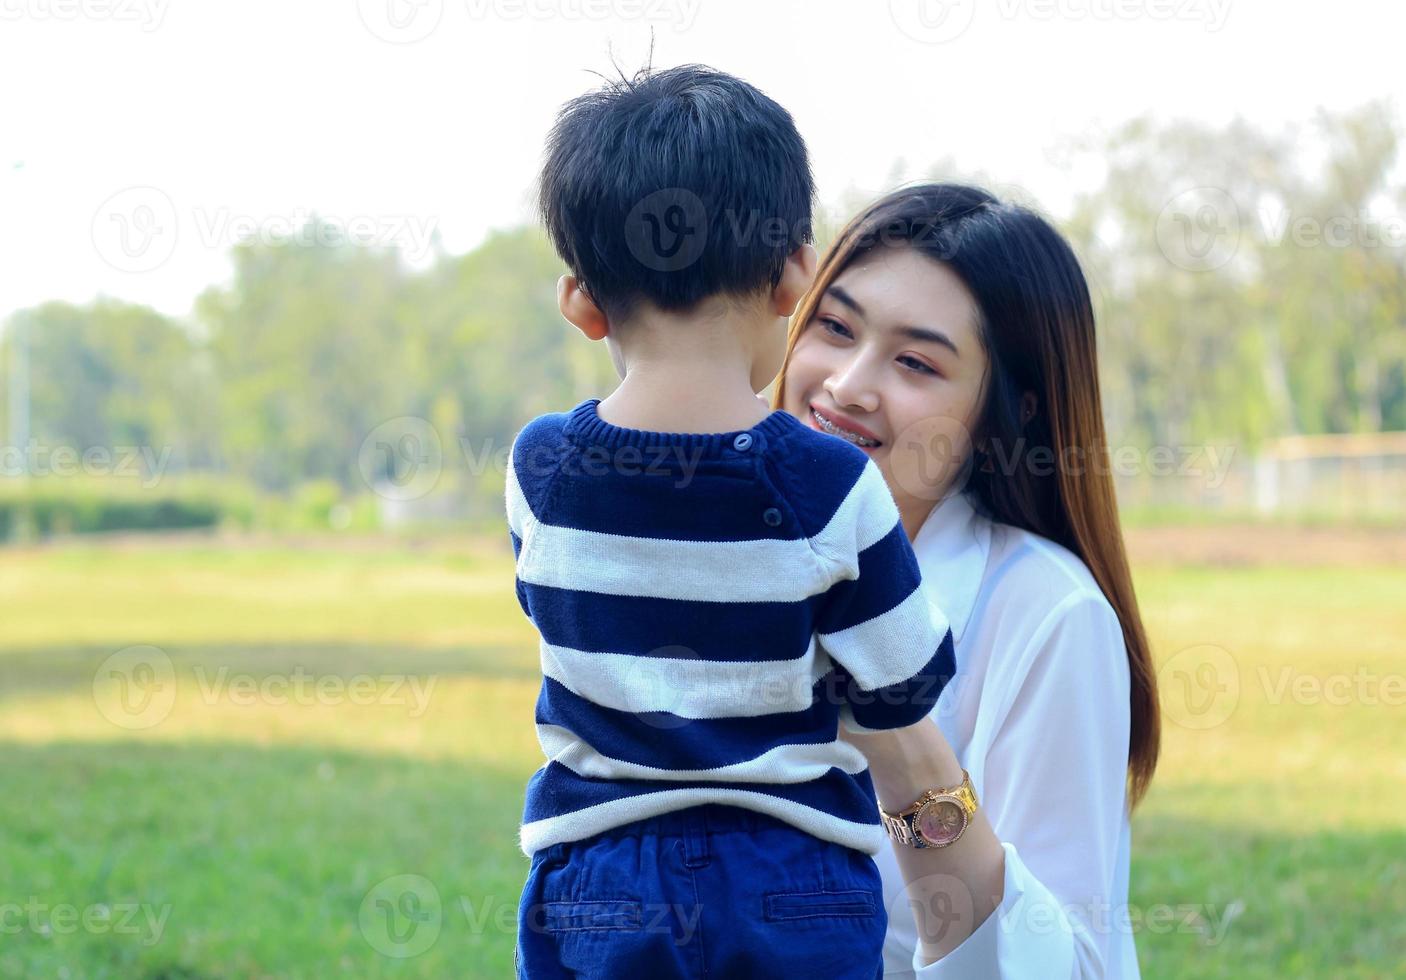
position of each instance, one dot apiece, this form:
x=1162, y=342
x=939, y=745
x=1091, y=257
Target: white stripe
x=755, y=570
x=690, y=688
x=781, y=764
x=591, y=820
x=520, y=515
x=891, y=647
x=863, y=518
x=761, y=570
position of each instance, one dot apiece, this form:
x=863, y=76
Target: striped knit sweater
x=712, y=607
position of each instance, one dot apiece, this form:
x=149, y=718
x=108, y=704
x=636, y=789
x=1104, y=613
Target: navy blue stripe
x=888, y=574
x=826, y=467
x=665, y=740
x=721, y=505
x=637, y=490
x=679, y=628
x=555, y=790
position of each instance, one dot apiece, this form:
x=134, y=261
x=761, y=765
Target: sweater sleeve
x=519, y=515
x=892, y=649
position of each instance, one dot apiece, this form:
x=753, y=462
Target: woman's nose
x=850, y=387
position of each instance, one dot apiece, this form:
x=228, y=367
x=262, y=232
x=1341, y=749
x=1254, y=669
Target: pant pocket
x=849, y=903
x=592, y=915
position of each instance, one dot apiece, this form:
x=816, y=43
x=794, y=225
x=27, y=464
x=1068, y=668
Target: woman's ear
x=797, y=276
x=580, y=310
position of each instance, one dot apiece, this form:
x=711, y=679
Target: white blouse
x=1038, y=715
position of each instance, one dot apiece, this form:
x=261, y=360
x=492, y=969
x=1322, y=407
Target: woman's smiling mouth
x=847, y=430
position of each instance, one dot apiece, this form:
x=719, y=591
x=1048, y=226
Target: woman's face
x=892, y=360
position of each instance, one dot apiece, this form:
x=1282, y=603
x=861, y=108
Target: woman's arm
x=1042, y=848
x=951, y=889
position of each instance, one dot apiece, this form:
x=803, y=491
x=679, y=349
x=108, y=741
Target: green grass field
x=308, y=761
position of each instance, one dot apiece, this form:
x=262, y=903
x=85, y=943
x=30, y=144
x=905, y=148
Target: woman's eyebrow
x=839, y=293
x=926, y=334
x=929, y=335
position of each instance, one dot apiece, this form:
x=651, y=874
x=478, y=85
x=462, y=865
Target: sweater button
x=743, y=442
x=772, y=516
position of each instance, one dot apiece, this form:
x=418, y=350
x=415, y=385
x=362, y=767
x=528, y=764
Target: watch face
x=940, y=822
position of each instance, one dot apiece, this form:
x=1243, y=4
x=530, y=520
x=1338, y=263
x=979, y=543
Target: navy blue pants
x=710, y=891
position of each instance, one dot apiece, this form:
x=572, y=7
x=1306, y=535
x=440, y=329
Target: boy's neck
x=689, y=372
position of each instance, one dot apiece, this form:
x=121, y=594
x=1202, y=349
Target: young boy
x=717, y=587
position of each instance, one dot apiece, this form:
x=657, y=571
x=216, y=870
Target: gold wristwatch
x=936, y=819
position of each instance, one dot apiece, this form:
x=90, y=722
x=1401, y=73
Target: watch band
x=938, y=818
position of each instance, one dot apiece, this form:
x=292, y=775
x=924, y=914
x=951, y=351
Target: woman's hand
x=966, y=878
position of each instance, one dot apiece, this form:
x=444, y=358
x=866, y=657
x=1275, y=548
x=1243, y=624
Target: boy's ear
x=579, y=310
x=796, y=278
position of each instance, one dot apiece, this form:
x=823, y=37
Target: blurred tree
x=1245, y=290
x=113, y=374
x=312, y=347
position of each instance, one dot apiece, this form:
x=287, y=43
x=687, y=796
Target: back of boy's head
x=674, y=186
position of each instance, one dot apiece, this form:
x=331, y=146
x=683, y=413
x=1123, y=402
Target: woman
x=951, y=337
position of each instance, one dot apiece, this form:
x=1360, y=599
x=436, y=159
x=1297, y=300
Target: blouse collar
x=952, y=546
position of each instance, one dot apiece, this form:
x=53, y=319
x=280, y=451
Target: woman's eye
x=834, y=327
x=916, y=365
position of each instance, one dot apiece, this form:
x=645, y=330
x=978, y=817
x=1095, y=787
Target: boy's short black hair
x=674, y=186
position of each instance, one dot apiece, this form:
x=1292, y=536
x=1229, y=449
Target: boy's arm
x=892, y=650
x=518, y=516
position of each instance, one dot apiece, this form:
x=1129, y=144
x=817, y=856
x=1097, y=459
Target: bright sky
x=138, y=136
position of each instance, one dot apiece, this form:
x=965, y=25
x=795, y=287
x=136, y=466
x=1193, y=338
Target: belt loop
x=695, y=838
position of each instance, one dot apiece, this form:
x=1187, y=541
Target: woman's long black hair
x=1037, y=327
